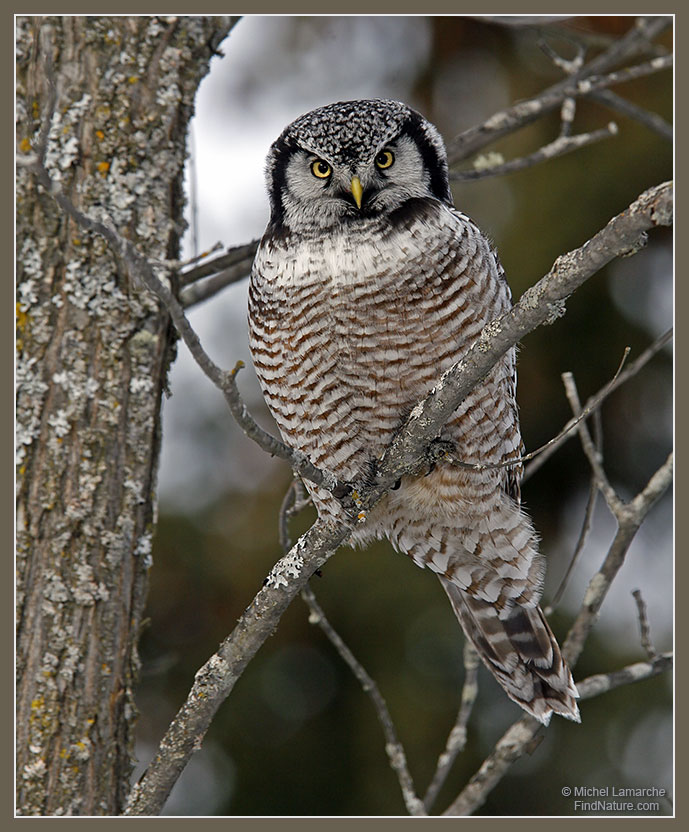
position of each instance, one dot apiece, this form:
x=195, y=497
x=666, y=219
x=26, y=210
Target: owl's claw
x=439, y=450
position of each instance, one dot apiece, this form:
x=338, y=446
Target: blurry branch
x=491, y=164
x=520, y=737
x=651, y=120
x=587, y=80
x=393, y=747
x=594, y=402
x=457, y=737
x=645, y=630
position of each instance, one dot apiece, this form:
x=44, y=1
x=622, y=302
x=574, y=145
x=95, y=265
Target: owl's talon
x=440, y=450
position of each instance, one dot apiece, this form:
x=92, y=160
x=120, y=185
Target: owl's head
x=352, y=160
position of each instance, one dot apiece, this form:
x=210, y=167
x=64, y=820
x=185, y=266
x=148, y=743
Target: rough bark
x=92, y=357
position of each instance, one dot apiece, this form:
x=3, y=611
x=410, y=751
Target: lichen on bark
x=92, y=357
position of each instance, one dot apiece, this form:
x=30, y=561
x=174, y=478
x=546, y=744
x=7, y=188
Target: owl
x=367, y=285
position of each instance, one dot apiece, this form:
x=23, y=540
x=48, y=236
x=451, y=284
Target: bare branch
x=457, y=738
x=644, y=627
x=233, y=256
x=630, y=517
x=393, y=747
x=651, y=120
x=216, y=679
x=592, y=453
x=559, y=147
x=296, y=498
x=603, y=682
x=292, y=503
x=210, y=286
x=521, y=735
x=591, y=408
x=581, y=542
x=635, y=42
x=595, y=401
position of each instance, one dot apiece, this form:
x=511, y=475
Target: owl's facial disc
x=320, y=192
x=351, y=162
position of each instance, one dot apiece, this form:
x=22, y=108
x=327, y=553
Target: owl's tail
x=521, y=652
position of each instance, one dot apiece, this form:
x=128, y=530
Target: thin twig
x=594, y=402
x=570, y=66
x=559, y=147
x=581, y=542
x=233, y=256
x=629, y=517
x=649, y=119
x=645, y=630
x=592, y=405
x=393, y=747
x=457, y=738
x=592, y=453
x=292, y=503
x=521, y=734
x=634, y=42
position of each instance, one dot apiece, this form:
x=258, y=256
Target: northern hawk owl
x=366, y=286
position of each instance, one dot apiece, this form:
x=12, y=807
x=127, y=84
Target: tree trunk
x=93, y=352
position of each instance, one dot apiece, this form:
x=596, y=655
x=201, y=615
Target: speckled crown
x=349, y=130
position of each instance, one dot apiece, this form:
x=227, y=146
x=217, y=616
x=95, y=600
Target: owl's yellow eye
x=321, y=169
x=385, y=159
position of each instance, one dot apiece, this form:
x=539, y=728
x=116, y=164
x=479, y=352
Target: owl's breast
x=349, y=330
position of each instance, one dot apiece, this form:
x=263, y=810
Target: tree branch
x=630, y=517
x=520, y=736
x=542, y=303
x=635, y=42
x=486, y=166
x=457, y=737
x=216, y=679
x=393, y=747
x=594, y=402
x=644, y=628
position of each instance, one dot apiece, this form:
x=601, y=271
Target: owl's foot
x=440, y=450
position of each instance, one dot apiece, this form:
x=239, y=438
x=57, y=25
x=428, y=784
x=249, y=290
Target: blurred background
x=298, y=736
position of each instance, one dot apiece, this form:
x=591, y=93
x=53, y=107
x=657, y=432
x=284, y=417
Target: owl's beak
x=357, y=190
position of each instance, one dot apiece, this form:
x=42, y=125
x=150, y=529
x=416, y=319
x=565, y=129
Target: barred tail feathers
x=522, y=653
